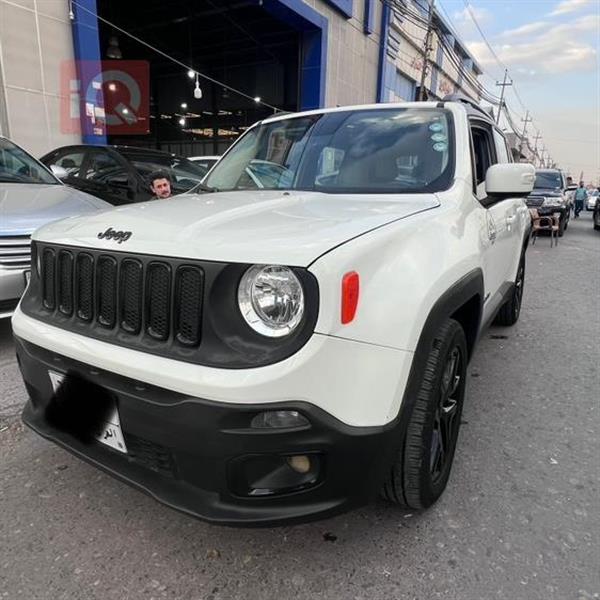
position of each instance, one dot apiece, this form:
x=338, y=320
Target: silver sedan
x=30, y=196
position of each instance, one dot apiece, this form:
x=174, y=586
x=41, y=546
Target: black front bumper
x=197, y=456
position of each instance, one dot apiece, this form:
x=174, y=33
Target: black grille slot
x=158, y=293
x=106, y=278
x=85, y=286
x=65, y=282
x=188, y=302
x=48, y=279
x=132, y=288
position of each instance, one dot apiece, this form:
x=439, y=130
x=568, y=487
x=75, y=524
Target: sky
x=550, y=48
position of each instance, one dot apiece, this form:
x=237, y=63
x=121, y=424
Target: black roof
x=129, y=150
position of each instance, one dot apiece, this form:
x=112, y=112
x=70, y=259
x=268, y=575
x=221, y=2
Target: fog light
x=279, y=419
x=300, y=463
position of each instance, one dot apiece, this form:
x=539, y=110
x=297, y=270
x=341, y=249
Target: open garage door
x=268, y=50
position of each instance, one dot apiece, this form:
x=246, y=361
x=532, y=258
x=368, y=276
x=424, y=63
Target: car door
x=498, y=237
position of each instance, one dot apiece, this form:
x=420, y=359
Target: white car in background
x=30, y=196
x=205, y=162
x=591, y=200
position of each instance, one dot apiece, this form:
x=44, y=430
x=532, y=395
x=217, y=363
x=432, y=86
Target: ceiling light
x=191, y=74
x=197, y=90
x=113, y=50
x=184, y=105
x=112, y=87
x=182, y=121
x=257, y=99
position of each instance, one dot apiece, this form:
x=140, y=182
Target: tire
x=509, y=312
x=420, y=472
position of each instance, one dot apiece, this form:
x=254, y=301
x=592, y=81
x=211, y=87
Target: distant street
x=520, y=519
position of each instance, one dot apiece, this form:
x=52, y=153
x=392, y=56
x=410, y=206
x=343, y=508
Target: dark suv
x=119, y=174
x=550, y=196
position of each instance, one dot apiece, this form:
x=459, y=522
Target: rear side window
x=484, y=156
x=70, y=161
x=482, y=152
x=501, y=148
x=102, y=167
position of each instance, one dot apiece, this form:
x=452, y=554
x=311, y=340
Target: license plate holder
x=109, y=431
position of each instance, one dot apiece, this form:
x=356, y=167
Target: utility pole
x=503, y=85
x=426, y=51
x=538, y=135
x=526, y=120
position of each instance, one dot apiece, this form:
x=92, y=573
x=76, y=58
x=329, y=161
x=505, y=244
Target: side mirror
x=509, y=179
x=59, y=172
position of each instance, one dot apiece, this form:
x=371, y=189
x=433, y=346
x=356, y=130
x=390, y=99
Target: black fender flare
x=465, y=289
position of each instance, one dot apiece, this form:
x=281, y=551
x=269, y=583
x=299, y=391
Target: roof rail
x=465, y=100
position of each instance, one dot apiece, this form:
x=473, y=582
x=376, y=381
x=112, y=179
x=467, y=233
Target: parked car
x=30, y=196
x=550, y=195
x=119, y=174
x=204, y=162
x=596, y=216
x=591, y=199
x=285, y=352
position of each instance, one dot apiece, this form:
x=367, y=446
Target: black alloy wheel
x=420, y=472
x=446, y=423
x=518, y=294
x=510, y=311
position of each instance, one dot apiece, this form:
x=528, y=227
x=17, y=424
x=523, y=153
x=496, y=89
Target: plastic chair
x=544, y=223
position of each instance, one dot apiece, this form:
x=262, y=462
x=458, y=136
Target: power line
x=403, y=12
x=489, y=46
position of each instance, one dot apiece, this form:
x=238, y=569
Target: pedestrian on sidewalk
x=580, y=198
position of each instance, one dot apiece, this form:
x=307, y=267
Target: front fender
x=405, y=268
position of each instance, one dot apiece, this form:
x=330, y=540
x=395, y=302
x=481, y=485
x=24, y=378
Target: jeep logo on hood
x=118, y=236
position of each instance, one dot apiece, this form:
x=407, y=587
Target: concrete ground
x=520, y=518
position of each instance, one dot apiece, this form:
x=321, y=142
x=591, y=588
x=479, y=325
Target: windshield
x=16, y=166
x=549, y=180
x=363, y=151
x=184, y=173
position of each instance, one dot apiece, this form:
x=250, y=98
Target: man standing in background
x=580, y=198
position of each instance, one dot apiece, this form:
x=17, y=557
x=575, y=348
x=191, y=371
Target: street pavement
x=520, y=518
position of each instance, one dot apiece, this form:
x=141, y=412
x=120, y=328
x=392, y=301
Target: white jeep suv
x=259, y=353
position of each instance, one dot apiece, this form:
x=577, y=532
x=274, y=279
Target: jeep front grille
x=15, y=252
x=153, y=301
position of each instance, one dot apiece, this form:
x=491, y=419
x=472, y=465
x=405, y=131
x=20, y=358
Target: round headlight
x=271, y=300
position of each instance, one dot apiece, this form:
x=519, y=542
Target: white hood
x=292, y=228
